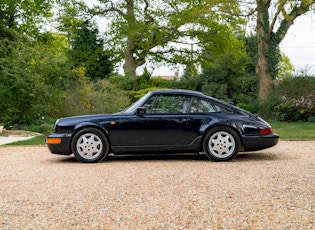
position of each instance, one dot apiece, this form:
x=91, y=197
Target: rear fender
x=231, y=126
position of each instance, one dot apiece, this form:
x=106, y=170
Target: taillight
x=265, y=131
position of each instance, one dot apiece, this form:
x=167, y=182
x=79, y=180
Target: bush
x=42, y=125
x=92, y=98
x=296, y=109
x=293, y=99
x=296, y=87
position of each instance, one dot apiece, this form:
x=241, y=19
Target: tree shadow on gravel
x=242, y=157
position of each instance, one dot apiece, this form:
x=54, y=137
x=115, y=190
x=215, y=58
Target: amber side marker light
x=53, y=141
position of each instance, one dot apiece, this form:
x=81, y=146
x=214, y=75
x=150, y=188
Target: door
x=163, y=124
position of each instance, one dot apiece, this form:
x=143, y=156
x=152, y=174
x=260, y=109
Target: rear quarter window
x=200, y=105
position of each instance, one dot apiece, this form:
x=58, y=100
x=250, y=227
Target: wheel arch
x=84, y=125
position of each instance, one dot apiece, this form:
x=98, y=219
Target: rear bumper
x=254, y=143
x=62, y=148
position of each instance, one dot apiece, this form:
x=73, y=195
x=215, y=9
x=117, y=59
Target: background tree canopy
x=165, y=30
x=87, y=50
x=54, y=61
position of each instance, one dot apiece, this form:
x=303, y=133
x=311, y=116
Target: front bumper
x=62, y=147
x=254, y=143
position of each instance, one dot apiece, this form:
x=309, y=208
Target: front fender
x=90, y=124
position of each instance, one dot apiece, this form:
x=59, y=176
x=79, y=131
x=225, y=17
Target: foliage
x=251, y=50
x=215, y=82
x=273, y=20
x=295, y=87
x=291, y=109
x=24, y=16
x=305, y=71
x=245, y=90
x=87, y=50
x=87, y=97
x=41, y=125
x=27, y=88
x=140, y=85
x=285, y=67
x=48, y=75
x=293, y=99
x=145, y=30
x=229, y=76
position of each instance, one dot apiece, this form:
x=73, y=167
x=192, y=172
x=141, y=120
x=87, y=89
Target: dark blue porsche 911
x=164, y=121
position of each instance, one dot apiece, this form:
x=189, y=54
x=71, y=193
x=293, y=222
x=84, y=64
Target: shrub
x=293, y=99
x=42, y=125
x=93, y=97
x=296, y=87
x=296, y=109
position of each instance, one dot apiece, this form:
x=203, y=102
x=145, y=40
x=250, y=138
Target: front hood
x=68, y=124
x=79, y=119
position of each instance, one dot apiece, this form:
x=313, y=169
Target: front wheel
x=221, y=144
x=90, y=145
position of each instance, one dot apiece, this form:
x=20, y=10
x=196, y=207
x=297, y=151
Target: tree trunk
x=264, y=53
x=268, y=41
x=130, y=62
x=266, y=81
x=265, y=77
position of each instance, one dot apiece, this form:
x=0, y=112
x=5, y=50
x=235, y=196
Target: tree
x=140, y=30
x=219, y=78
x=29, y=69
x=23, y=16
x=31, y=76
x=87, y=50
x=273, y=21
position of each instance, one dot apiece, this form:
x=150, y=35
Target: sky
x=299, y=43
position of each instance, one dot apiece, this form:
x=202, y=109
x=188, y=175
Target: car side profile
x=164, y=121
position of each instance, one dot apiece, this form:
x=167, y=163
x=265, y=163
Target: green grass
x=38, y=140
x=294, y=130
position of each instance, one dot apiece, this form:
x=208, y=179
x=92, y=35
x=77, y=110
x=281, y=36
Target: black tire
x=90, y=145
x=221, y=144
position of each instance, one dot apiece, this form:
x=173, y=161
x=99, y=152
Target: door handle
x=180, y=120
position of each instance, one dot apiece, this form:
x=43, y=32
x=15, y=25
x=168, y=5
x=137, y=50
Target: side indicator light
x=53, y=140
x=266, y=131
x=112, y=122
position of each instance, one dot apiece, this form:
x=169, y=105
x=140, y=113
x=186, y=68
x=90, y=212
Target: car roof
x=178, y=91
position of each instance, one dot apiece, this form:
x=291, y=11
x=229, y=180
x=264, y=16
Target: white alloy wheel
x=89, y=146
x=221, y=144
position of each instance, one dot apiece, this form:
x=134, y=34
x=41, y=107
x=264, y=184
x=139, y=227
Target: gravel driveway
x=269, y=189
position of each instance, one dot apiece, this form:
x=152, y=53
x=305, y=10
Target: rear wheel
x=90, y=145
x=221, y=144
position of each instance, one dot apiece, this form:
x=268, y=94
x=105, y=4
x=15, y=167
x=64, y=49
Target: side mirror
x=141, y=111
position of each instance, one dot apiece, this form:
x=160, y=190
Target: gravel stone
x=268, y=189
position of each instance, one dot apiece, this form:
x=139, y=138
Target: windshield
x=139, y=103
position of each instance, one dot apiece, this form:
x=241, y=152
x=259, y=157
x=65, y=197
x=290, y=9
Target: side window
x=168, y=104
x=149, y=105
x=204, y=106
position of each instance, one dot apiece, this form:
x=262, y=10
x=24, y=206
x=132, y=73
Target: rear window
x=200, y=105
